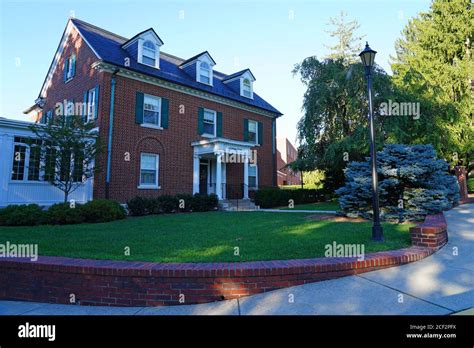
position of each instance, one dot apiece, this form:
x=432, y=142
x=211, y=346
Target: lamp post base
x=377, y=233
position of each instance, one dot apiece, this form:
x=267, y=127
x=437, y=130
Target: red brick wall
x=84, y=79
x=122, y=283
x=172, y=144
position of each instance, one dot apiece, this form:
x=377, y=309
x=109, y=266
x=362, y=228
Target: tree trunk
x=302, y=183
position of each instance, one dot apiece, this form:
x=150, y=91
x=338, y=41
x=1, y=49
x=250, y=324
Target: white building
x=22, y=173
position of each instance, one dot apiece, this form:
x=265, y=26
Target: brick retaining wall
x=126, y=283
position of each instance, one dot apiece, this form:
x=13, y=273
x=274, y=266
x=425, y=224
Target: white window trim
x=256, y=132
x=152, y=125
x=242, y=88
x=256, y=176
x=91, y=105
x=141, y=41
x=148, y=186
x=198, y=73
x=69, y=75
x=207, y=135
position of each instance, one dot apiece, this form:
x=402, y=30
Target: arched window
x=205, y=73
x=149, y=53
x=247, y=88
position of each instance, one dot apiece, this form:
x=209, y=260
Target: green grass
x=204, y=237
x=315, y=206
x=470, y=185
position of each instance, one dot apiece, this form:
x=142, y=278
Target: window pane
x=151, y=108
x=50, y=165
x=205, y=79
x=209, y=116
x=78, y=169
x=148, y=162
x=252, y=126
x=19, y=162
x=148, y=61
x=148, y=169
x=148, y=177
x=91, y=104
x=209, y=128
x=34, y=163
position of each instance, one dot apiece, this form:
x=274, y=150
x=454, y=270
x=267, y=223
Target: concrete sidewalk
x=440, y=284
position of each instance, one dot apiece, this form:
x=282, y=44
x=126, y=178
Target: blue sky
x=269, y=37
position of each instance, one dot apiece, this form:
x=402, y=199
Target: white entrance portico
x=210, y=159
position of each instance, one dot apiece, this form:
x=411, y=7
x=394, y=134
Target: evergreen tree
x=413, y=182
x=434, y=64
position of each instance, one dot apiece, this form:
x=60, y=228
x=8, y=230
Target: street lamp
x=368, y=57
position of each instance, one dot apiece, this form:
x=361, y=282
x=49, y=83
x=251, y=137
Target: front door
x=203, y=171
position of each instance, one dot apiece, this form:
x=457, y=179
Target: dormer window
x=247, y=88
x=205, y=73
x=145, y=48
x=149, y=53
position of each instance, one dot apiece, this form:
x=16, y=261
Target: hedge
x=276, y=197
x=99, y=210
x=139, y=206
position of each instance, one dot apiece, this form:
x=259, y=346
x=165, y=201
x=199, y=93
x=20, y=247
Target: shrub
x=103, y=210
x=139, y=206
x=412, y=183
x=276, y=197
x=185, y=202
x=64, y=214
x=22, y=215
x=167, y=204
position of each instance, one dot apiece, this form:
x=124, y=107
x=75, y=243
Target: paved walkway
x=440, y=284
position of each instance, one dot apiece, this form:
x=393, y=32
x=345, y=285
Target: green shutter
x=43, y=117
x=96, y=103
x=73, y=62
x=66, y=60
x=200, y=120
x=139, y=108
x=164, y=112
x=260, y=133
x=219, y=124
x=86, y=104
x=246, y=129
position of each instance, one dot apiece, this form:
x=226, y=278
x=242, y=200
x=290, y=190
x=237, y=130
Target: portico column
x=219, y=175
x=195, y=173
x=246, y=177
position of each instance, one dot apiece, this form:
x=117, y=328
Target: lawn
x=204, y=237
x=470, y=185
x=334, y=206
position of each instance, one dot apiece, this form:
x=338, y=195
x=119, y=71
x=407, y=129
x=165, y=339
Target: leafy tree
x=413, y=182
x=68, y=147
x=434, y=65
x=334, y=126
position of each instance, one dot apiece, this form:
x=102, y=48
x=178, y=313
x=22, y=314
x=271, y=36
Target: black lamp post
x=368, y=57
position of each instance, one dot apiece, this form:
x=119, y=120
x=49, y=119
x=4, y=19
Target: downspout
x=274, y=179
x=111, y=128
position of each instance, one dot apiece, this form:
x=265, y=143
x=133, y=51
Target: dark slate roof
x=238, y=73
x=108, y=47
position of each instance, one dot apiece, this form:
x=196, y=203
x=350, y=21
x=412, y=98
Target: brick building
x=286, y=153
x=170, y=125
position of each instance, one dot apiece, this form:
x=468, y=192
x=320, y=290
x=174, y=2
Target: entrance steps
x=237, y=205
